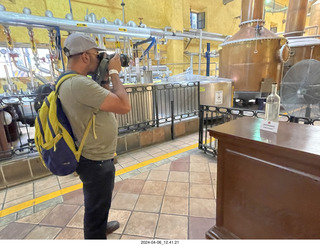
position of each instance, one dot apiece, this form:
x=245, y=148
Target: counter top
x=292, y=136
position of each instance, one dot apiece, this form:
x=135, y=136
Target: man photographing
x=81, y=98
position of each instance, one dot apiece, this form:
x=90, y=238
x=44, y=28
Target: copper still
x=253, y=54
x=302, y=47
x=314, y=18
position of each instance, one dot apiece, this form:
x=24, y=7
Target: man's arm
x=116, y=101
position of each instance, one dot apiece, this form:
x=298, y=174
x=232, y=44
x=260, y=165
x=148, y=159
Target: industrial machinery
x=253, y=54
x=300, y=89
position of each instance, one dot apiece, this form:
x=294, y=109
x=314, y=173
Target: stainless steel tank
x=253, y=54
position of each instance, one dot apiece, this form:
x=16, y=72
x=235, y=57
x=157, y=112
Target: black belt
x=97, y=162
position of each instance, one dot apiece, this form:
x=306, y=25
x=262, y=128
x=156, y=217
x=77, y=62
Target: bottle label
x=269, y=126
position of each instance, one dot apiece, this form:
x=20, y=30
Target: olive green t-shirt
x=80, y=97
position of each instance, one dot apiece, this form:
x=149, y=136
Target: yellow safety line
x=66, y=190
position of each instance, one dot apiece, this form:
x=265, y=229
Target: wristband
x=113, y=71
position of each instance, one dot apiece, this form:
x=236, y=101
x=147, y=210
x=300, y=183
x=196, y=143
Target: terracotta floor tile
x=142, y=224
x=180, y=166
x=16, y=230
x=205, y=208
x=77, y=219
x=149, y=203
x=161, y=175
x=114, y=236
x=36, y=217
x=133, y=186
x=185, y=159
x=70, y=234
x=142, y=176
x=128, y=237
x=199, y=167
x=177, y=189
x=154, y=188
x=60, y=215
x=74, y=197
x=43, y=233
x=201, y=191
x=122, y=216
x=172, y=227
x=199, y=226
x=200, y=178
x=177, y=176
x=197, y=158
x=175, y=205
x=165, y=166
x=117, y=186
x=124, y=201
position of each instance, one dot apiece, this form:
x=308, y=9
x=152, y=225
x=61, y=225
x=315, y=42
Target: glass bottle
x=272, y=109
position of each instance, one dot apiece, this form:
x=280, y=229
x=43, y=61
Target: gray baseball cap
x=77, y=43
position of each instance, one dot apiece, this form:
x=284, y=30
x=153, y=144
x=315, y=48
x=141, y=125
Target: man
x=81, y=97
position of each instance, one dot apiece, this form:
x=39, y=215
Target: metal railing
x=152, y=105
x=210, y=116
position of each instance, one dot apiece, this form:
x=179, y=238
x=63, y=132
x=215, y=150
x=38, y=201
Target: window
x=197, y=20
x=273, y=27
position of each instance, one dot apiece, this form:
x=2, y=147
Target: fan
x=300, y=89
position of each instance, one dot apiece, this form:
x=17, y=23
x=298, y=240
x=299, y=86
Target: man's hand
x=115, y=63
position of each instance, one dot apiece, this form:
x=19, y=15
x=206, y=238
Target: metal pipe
x=17, y=19
x=123, y=4
x=208, y=60
x=25, y=69
x=200, y=47
x=252, y=10
x=296, y=17
x=276, y=10
x=314, y=26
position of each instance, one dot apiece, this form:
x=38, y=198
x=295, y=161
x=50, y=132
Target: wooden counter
x=268, y=185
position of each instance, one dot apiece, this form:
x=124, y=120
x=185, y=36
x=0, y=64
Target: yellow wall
x=223, y=19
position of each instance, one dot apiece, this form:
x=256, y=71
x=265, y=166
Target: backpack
x=41, y=92
x=54, y=138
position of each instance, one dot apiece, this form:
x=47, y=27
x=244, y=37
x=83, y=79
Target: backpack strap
x=92, y=121
x=86, y=132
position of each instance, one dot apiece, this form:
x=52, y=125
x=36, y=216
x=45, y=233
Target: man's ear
x=85, y=58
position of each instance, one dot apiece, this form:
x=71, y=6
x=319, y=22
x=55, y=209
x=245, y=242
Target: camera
x=102, y=69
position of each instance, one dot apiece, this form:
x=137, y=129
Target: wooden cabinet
x=268, y=185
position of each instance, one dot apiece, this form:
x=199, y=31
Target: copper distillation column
x=254, y=54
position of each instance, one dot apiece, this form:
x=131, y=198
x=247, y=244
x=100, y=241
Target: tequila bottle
x=272, y=109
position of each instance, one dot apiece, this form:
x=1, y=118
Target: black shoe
x=112, y=226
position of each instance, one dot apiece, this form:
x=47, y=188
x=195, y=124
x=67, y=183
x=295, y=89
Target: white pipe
x=200, y=47
x=17, y=19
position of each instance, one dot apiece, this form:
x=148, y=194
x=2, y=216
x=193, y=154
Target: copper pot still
x=302, y=47
x=254, y=53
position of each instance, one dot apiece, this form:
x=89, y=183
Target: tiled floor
x=169, y=193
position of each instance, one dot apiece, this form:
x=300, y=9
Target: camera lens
x=124, y=59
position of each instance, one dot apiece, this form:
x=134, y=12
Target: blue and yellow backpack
x=54, y=138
